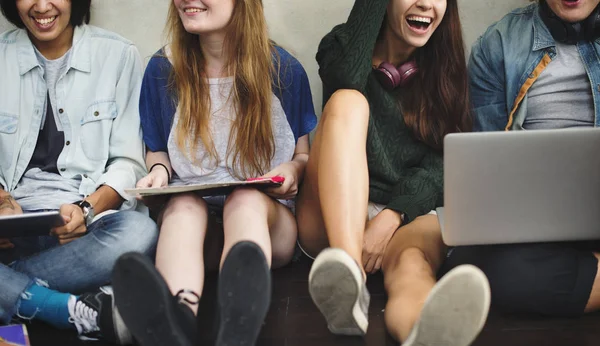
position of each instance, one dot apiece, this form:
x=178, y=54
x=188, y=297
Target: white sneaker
x=455, y=311
x=337, y=287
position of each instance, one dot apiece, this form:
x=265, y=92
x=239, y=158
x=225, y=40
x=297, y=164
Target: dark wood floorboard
x=293, y=320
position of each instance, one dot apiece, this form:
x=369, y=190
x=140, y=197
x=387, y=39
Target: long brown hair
x=437, y=101
x=250, y=61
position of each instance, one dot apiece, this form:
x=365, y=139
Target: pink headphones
x=391, y=77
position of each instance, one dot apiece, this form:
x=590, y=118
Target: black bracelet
x=165, y=167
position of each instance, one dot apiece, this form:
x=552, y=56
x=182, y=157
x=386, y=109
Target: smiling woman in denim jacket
x=538, y=68
x=70, y=140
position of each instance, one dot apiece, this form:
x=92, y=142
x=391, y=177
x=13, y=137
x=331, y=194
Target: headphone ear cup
x=388, y=76
x=407, y=72
x=391, y=77
x=592, y=25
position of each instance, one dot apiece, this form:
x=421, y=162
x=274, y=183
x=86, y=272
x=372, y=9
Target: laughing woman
x=395, y=83
x=70, y=141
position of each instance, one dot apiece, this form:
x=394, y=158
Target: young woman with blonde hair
x=220, y=102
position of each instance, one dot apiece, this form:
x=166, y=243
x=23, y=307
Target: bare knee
x=281, y=256
x=409, y=260
x=348, y=105
x=185, y=203
x=246, y=197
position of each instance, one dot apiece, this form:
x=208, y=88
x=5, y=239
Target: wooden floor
x=294, y=321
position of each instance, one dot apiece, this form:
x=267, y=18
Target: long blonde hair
x=250, y=62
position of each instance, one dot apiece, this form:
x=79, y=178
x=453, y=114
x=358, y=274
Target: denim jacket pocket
x=96, y=127
x=9, y=124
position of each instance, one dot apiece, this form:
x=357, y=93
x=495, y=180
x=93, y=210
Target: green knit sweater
x=405, y=174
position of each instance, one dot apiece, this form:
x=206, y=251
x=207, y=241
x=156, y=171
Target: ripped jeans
x=83, y=264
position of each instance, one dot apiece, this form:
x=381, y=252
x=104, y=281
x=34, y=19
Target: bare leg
x=451, y=312
x=332, y=211
x=411, y=261
x=179, y=256
x=332, y=204
x=144, y=293
x=258, y=231
x=594, y=302
x=253, y=216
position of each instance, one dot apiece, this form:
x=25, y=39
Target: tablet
x=217, y=189
x=30, y=224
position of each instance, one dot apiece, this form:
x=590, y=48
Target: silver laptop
x=521, y=186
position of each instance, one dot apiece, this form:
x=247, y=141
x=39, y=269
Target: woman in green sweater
x=375, y=173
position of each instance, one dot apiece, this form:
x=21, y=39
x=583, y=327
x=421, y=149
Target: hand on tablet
x=75, y=224
x=289, y=188
x=8, y=206
x=156, y=178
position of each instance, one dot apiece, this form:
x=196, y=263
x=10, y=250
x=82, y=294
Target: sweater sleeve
x=420, y=189
x=345, y=54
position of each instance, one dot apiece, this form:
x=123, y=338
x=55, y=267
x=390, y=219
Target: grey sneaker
x=337, y=287
x=455, y=311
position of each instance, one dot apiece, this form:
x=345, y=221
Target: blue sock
x=46, y=305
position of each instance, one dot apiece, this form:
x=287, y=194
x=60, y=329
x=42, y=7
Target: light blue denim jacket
x=97, y=102
x=506, y=61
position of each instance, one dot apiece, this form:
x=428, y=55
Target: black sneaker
x=153, y=315
x=244, y=295
x=96, y=317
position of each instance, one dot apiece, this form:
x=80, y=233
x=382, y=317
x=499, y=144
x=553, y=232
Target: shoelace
x=84, y=317
x=182, y=299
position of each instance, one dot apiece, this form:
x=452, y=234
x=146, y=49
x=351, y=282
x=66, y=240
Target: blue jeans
x=83, y=264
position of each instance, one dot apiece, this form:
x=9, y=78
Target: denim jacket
x=97, y=102
x=506, y=61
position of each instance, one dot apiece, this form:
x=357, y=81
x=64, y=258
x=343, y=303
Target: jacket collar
x=542, y=38
x=80, y=55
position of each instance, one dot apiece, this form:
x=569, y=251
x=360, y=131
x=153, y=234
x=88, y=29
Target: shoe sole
x=244, y=295
x=122, y=335
x=455, y=311
x=145, y=303
x=334, y=284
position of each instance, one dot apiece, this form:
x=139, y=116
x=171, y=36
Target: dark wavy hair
x=80, y=12
x=436, y=102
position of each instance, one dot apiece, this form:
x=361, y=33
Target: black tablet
x=30, y=224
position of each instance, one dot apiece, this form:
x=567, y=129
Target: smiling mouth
x=194, y=10
x=45, y=21
x=418, y=22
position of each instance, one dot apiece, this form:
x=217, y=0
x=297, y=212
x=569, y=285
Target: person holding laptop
x=538, y=68
x=70, y=141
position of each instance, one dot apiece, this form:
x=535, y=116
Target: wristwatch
x=88, y=212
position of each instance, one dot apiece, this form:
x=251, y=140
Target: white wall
x=297, y=25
